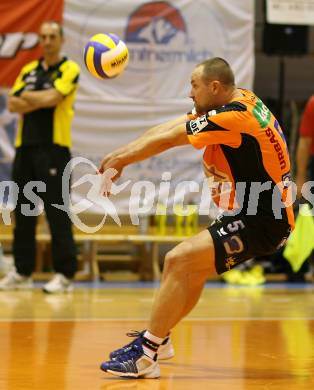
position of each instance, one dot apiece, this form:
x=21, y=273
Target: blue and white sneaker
x=165, y=351
x=133, y=363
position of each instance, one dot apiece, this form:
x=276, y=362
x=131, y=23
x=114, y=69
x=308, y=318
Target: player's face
x=50, y=38
x=203, y=93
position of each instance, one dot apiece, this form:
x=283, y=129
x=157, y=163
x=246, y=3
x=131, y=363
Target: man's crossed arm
x=30, y=101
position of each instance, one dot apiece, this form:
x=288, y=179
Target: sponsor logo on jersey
x=230, y=263
x=261, y=113
x=198, y=124
x=211, y=113
x=286, y=180
x=273, y=138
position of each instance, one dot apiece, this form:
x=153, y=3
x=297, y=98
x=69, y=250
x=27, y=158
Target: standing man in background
x=305, y=169
x=305, y=150
x=43, y=94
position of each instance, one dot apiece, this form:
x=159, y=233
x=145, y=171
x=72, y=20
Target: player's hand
x=111, y=169
x=111, y=161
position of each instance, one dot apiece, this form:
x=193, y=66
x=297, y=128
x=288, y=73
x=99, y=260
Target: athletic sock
x=151, y=344
x=166, y=339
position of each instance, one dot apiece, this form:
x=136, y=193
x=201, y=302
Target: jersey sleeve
x=221, y=126
x=68, y=79
x=306, y=128
x=19, y=83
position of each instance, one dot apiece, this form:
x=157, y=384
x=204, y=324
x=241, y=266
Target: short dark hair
x=218, y=69
x=57, y=23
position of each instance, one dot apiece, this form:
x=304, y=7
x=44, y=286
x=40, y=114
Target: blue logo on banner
x=156, y=33
x=157, y=22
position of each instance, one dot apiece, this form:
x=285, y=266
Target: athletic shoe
x=165, y=351
x=133, y=363
x=15, y=281
x=58, y=284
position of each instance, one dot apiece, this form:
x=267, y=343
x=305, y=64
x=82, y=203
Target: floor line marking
x=200, y=319
x=103, y=300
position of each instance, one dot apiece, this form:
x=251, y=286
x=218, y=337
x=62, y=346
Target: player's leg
x=186, y=269
x=230, y=240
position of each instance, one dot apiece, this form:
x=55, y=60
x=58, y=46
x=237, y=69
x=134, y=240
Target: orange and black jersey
x=245, y=144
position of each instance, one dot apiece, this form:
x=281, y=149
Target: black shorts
x=240, y=237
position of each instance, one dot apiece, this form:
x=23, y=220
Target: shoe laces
x=135, y=334
x=133, y=352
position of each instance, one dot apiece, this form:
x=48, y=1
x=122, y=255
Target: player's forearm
x=153, y=143
x=20, y=105
x=141, y=148
x=148, y=145
x=165, y=127
x=171, y=124
x=47, y=98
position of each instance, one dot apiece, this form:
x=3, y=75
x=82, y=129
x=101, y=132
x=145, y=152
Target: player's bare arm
x=47, y=98
x=151, y=143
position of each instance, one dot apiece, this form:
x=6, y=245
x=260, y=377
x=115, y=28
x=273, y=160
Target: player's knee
x=171, y=261
x=176, y=259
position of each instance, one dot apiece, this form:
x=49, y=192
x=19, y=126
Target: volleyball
x=106, y=56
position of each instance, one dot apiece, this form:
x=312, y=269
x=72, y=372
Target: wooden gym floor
x=236, y=338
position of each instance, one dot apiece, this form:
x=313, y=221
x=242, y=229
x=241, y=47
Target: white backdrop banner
x=166, y=39
x=8, y=123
